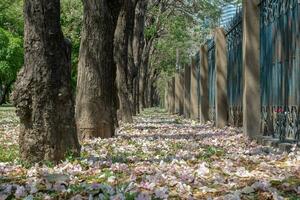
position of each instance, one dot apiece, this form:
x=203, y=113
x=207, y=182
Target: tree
x=137, y=48
x=122, y=40
x=153, y=26
x=96, y=98
x=180, y=25
x=42, y=94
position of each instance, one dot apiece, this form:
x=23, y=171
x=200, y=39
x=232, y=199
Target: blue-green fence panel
x=234, y=38
x=280, y=68
x=198, y=71
x=211, y=80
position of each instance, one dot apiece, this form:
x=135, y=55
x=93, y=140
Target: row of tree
x=125, y=53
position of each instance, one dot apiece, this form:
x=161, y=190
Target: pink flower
x=20, y=192
x=147, y=186
x=279, y=110
x=161, y=193
x=143, y=196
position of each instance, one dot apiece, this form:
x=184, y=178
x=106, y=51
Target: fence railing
x=280, y=68
x=234, y=39
x=267, y=75
x=198, y=71
x=212, y=80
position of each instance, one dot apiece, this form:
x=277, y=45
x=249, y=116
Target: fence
x=212, y=80
x=234, y=37
x=280, y=68
x=269, y=33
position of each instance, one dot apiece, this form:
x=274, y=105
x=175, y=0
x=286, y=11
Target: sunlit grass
x=8, y=153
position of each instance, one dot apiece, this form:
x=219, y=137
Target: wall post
x=221, y=79
x=251, y=67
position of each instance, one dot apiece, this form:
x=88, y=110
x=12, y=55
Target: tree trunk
x=133, y=71
x=6, y=90
x=138, y=45
x=153, y=101
x=96, y=100
x=135, y=96
x=124, y=71
x=143, y=73
x=3, y=93
x=42, y=94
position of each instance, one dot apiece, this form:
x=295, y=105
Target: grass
x=9, y=154
x=153, y=111
x=9, y=151
x=8, y=116
x=210, y=152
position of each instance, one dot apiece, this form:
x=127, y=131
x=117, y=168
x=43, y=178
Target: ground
x=158, y=157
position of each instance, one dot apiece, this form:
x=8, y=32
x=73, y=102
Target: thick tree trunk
x=138, y=45
x=143, y=74
x=132, y=69
x=42, y=94
x=96, y=100
x=133, y=72
x=121, y=51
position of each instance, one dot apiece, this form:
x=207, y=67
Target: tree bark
x=133, y=72
x=96, y=100
x=121, y=51
x=138, y=45
x=4, y=89
x=42, y=94
x=143, y=73
x=151, y=93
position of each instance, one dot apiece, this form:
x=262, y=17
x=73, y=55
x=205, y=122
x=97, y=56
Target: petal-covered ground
x=158, y=157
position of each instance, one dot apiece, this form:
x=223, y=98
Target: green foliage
x=11, y=42
x=71, y=21
x=11, y=56
x=70, y=157
x=11, y=16
x=150, y=31
x=178, y=29
x=183, y=26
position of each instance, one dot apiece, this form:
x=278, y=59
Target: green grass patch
x=153, y=112
x=293, y=181
x=9, y=153
x=289, y=195
x=210, y=152
x=8, y=115
x=177, y=146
